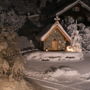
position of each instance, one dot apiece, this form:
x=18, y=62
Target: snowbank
x=63, y=73
x=58, y=76
x=55, y=56
x=86, y=76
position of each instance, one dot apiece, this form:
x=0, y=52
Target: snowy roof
x=72, y=5
x=61, y=29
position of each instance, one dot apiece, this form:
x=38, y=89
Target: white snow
x=63, y=73
x=55, y=56
x=56, y=76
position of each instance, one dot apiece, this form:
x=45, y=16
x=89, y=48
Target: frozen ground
x=55, y=56
x=83, y=66
x=37, y=67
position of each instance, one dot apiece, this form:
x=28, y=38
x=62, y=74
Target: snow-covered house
x=56, y=38
x=78, y=10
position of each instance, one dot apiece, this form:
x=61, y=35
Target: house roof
x=84, y=5
x=56, y=24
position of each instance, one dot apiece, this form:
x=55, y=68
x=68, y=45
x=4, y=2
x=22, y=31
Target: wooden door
x=54, y=44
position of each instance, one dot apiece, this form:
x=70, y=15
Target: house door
x=54, y=44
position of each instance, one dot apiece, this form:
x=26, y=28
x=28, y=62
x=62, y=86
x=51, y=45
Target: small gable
x=56, y=27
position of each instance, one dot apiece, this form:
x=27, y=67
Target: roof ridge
x=71, y=5
x=61, y=30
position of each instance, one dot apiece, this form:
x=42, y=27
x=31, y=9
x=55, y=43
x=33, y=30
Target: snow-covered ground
x=55, y=56
x=63, y=75
x=75, y=74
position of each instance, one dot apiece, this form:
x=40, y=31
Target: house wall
x=55, y=35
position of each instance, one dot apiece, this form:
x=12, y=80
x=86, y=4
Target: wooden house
x=78, y=9
x=55, y=39
x=76, y=6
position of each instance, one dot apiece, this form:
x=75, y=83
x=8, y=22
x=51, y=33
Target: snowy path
x=83, y=85
x=50, y=88
x=53, y=86
x=82, y=66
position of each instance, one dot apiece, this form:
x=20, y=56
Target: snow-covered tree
x=11, y=63
x=86, y=39
x=84, y=31
x=76, y=41
x=69, y=20
x=11, y=20
x=71, y=28
x=9, y=55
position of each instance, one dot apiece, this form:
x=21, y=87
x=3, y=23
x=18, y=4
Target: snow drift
x=59, y=73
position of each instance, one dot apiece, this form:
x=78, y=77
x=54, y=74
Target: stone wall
x=55, y=34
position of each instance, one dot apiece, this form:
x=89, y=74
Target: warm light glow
x=46, y=50
x=69, y=49
x=73, y=49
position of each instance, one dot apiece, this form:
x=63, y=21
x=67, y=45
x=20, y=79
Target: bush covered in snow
x=62, y=71
x=62, y=75
x=59, y=73
x=71, y=24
